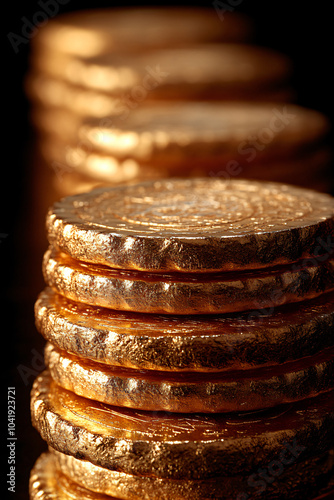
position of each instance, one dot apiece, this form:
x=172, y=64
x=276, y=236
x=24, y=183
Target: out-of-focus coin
x=51, y=93
x=182, y=343
x=204, y=132
x=299, y=479
x=46, y=482
x=94, y=31
x=178, y=446
x=194, y=225
x=214, y=71
x=298, y=169
x=191, y=392
x=186, y=293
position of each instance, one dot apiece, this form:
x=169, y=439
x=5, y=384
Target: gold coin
x=301, y=479
x=177, y=446
x=194, y=225
x=205, y=132
x=191, y=392
x=186, y=293
x=296, y=169
x=94, y=31
x=206, y=71
x=51, y=93
x=46, y=482
x=183, y=343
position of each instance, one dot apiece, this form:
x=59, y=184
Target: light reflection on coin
x=89, y=32
x=180, y=343
x=193, y=225
x=176, y=446
x=236, y=390
x=200, y=71
x=295, y=480
x=181, y=293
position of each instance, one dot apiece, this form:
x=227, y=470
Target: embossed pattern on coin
x=193, y=225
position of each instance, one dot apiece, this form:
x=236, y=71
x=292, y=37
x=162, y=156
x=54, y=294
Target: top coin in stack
x=99, y=31
x=169, y=246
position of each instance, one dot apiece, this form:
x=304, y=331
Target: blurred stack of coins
x=189, y=344
x=67, y=83
x=142, y=73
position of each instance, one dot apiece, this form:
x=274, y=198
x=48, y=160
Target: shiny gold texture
x=297, y=170
x=183, y=343
x=177, y=446
x=175, y=132
x=189, y=392
x=94, y=31
x=200, y=71
x=48, y=483
x=182, y=293
x=303, y=478
x=193, y=225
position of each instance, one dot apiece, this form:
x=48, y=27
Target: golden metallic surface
x=51, y=93
x=193, y=225
x=304, y=170
x=90, y=32
x=186, y=293
x=192, y=392
x=46, y=482
x=177, y=446
x=183, y=343
x=175, y=132
x=212, y=71
x=303, y=478
x=102, y=168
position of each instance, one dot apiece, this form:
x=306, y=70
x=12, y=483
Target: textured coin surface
x=194, y=225
x=211, y=71
x=166, y=445
x=189, y=392
x=95, y=31
x=185, y=293
x=303, y=478
x=46, y=482
x=180, y=343
x=204, y=131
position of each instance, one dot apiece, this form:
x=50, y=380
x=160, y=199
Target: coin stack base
x=189, y=348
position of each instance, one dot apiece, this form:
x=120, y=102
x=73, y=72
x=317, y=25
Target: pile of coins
x=189, y=343
x=170, y=83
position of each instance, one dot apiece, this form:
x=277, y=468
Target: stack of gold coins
x=189, y=346
x=262, y=141
x=116, y=64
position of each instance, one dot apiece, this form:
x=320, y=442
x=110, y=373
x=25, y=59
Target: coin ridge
x=174, y=458
x=185, y=343
x=132, y=246
x=181, y=294
x=145, y=488
x=242, y=390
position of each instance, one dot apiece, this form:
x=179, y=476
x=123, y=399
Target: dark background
x=302, y=30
